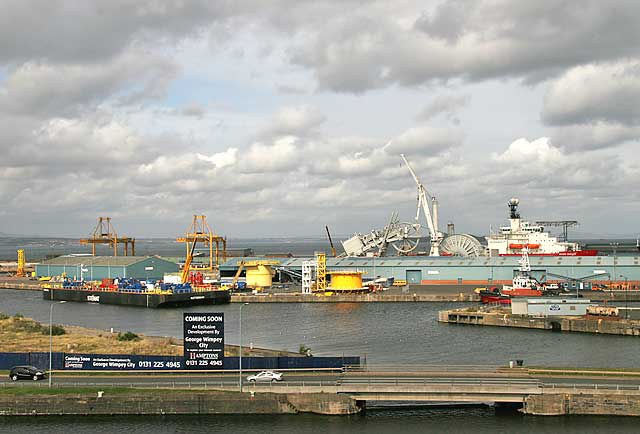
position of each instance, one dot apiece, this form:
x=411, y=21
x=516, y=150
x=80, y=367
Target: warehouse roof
x=114, y=261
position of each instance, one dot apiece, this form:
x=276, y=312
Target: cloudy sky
x=277, y=117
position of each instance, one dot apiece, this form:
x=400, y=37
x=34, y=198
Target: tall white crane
x=431, y=215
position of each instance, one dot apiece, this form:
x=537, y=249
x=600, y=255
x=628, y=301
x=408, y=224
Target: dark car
x=27, y=373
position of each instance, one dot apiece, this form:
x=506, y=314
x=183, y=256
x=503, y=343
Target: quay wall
x=565, y=324
x=354, y=298
x=561, y=404
x=175, y=402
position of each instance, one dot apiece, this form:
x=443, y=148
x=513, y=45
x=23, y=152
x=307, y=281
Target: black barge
x=140, y=299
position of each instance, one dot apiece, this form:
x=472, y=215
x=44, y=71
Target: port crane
x=105, y=233
x=431, y=215
x=199, y=231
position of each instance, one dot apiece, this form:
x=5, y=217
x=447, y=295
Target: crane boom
x=333, y=249
x=234, y=282
x=187, y=264
x=431, y=217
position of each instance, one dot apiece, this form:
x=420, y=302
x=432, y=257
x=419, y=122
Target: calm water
x=472, y=421
x=384, y=333
x=39, y=248
x=405, y=333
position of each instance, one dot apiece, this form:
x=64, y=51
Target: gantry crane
x=199, y=231
x=104, y=233
x=431, y=215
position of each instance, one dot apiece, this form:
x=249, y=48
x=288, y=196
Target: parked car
x=265, y=376
x=27, y=373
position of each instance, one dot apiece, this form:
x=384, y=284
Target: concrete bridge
x=550, y=392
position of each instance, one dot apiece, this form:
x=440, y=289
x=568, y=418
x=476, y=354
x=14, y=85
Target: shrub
x=29, y=326
x=128, y=336
x=3, y=316
x=304, y=350
x=56, y=330
x=18, y=316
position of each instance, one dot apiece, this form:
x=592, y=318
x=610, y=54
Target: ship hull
x=572, y=253
x=138, y=299
x=491, y=298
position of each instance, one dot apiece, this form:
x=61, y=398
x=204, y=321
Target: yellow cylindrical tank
x=259, y=276
x=346, y=280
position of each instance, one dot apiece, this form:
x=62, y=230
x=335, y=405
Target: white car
x=265, y=376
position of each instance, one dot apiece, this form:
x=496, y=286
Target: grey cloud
x=71, y=31
x=447, y=21
x=595, y=93
x=193, y=110
x=473, y=40
x=598, y=135
x=447, y=105
x=45, y=90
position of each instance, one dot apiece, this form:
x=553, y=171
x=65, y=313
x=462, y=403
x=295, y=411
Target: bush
x=29, y=326
x=56, y=330
x=128, y=336
x=3, y=316
x=304, y=350
x=18, y=316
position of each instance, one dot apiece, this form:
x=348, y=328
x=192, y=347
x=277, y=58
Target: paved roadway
x=457, y=375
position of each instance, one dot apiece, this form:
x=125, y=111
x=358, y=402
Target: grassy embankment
x=19, y=334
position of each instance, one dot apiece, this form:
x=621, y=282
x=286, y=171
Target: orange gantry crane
x=104, y=233
x=199, y=231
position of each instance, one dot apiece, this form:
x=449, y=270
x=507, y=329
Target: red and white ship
x=523, y=285
x=521, y=234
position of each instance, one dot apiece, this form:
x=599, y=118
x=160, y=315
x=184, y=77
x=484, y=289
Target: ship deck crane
x=431, y=215
x=104, y=233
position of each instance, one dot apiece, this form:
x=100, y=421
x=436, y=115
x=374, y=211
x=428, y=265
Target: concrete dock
x=502, y=317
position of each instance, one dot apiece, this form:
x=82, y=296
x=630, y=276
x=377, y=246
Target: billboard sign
x=203, y=340
x=121, y=362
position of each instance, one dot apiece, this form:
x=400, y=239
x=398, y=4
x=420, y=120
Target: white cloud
x=425, y=140
x=298, y=120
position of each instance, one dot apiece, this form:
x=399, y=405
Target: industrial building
x=474, y=270
x=101, y=267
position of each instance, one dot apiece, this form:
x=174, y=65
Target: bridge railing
x=418, y=368
x=591, y=386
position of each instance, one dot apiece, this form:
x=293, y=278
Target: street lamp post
x=51, y=337
x=240, y=352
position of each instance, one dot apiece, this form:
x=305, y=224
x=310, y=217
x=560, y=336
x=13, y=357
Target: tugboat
x=523, y=285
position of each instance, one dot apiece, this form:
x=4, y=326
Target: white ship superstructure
x=510, y=240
